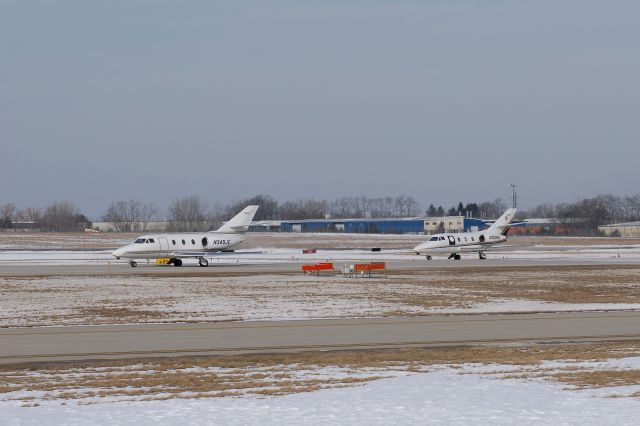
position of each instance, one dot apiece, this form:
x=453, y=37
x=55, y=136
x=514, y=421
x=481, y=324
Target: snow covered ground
x=477, y=394
x=72, y=300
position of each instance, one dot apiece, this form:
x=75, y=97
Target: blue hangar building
x=372, y=226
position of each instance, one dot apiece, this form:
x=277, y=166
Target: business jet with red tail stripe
x=455, y=243
x=177, y=246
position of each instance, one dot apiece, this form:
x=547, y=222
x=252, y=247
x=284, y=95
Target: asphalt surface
x=95, y=269
x=47, y=344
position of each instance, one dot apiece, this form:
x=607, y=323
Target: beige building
x=153, y=226
x=628, y=229
x=432, y=225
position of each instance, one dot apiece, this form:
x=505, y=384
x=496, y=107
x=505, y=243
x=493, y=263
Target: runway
x=48, y=344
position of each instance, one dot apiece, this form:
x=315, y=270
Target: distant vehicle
x=177, y=246
x=455, y=243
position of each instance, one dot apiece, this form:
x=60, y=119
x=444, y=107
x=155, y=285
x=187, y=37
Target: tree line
x=61, y=216
x=587, y=214
x=193, y=213
x=481, y=210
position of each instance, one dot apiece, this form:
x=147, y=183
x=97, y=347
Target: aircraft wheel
x=177, y=262
x=429, y=257
x=133, y=263
x=482, y=255
x=457, y=257
x=203, y=262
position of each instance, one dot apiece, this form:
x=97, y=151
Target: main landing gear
x=175, y=262
x=203, y=262
x=455, y=256
x=133, y=263
x=482, y=255
x=429, y=257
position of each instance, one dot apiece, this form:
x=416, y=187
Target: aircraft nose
x=117, y=253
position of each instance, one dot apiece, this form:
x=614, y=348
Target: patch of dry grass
x=598, y=378
x=279, y=374
x=466, y=287
x=85, y=300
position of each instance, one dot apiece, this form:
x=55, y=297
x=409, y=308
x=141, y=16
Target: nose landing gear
x=133, y=263
x=429, y=257
x=482, y=255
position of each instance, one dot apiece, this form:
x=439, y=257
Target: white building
x=627, y=229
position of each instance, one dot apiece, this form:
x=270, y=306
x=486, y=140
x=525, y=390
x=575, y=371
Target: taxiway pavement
x=49, y=344
x=98, y=269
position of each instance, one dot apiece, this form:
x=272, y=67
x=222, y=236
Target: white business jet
x=177, y=246
x=455, y=243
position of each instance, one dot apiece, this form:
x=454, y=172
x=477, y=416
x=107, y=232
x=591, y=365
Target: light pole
x=514, y=195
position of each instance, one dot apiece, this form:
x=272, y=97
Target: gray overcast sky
x=443, y=100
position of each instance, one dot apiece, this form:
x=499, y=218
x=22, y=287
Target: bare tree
x=8, y=211
x=543, y=210
x=500, y=206
x=63, y=216
x=130, y=215
x=269, y=208
x=29, y=214
x=399, y=205
x=118, y=213
x=584, y=216
x=148, y=213
x=216, y=215
x=341, y=208
x=188, y=214
x=412, y=207
x=304, y=209
x=632, y=207
x=386, y=207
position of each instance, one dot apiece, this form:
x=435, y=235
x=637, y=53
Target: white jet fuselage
x=454, y=244
x=459, y=242
x=176, y=246
x=191, y=244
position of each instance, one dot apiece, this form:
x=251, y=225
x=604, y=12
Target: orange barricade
x=368, y=267
x=317, y=267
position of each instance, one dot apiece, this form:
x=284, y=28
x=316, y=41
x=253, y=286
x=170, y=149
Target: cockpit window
x=151, y=240
x=139, y=241
x=433, y=239
x=441, y=238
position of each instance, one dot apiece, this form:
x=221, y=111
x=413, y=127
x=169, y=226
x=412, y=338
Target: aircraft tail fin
x=501, y=225
x=240, y=222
